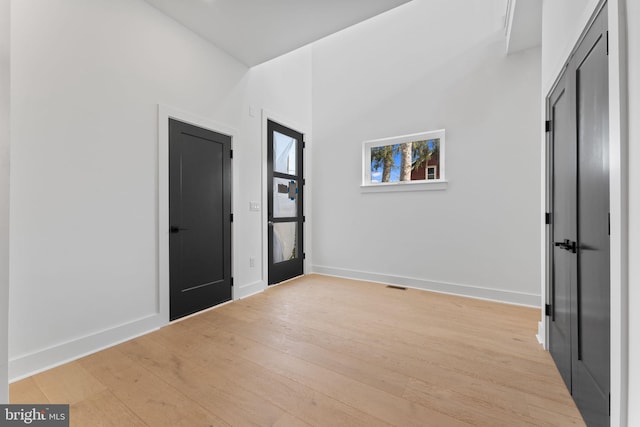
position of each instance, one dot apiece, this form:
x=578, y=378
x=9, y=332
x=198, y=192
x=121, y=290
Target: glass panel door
x=285, y=207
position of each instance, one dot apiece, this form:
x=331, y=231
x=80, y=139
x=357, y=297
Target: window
x=431, y=172
x=403, y=163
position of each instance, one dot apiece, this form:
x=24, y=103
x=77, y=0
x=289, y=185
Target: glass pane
x=406, y=162
x=284, y=153
x=285, y=237
x=431, y=172
x=285, y=198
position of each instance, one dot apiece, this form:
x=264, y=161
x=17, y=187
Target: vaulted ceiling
x=255, y=31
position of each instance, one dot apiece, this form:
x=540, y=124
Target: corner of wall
x=4, y=195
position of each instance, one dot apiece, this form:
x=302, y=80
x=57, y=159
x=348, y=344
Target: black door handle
x=567, y=245
x=175, y=229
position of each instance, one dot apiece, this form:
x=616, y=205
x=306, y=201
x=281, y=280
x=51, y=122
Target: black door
x=564, y=229
x=285, y=198
x=199, y=218
x=591, y=367
x=579, y=327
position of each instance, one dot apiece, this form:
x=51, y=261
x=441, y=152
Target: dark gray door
x=199, y=218
x=564, y=230
x=579, y=327
x=285, y=202
x=591, y=312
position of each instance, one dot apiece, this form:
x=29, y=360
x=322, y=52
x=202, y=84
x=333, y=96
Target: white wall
x=424, y=66
x=88, y=79
x=633, y=28
x=279, y=89
x=4, y=195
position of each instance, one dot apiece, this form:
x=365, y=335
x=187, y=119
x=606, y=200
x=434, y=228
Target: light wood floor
x=321, y=351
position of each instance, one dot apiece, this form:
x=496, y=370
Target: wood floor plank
x=153, y=400
x=289, y=420
x=209, y=385
x=465, y=326
x=532, y=372
x=322, y=351
x=380, y=404
x=463, y=407
x=299, y=400
x=69, y=383
x=103, y=410
x=27, y=391
x=505, y=402
x=378, y=375
x=306, y=345
x=395, y=338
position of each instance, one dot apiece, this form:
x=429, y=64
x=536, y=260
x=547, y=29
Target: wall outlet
x=254, y=206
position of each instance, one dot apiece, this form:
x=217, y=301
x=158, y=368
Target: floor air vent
x=400, y=288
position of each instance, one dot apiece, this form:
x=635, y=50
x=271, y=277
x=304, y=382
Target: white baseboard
x=30, y=364
x=541, y=333
x=509, y=297
x=250, y=289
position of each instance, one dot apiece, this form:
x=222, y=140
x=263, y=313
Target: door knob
x=175, y=229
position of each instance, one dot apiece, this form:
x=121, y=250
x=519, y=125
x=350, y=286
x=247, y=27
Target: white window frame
x=418, y=185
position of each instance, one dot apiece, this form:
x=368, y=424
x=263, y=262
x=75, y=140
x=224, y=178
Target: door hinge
x=304, y=182
x=231, y=154
x=547, y=126
x=609, y=223
x=607, y=43
x=547, y=309
x=304, y=144
x=231, y=282
x=304, y=218
x=547, y=218
x=304, y=256
x=231, y=217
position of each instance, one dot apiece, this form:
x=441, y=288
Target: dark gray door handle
x=175, y=229
x=567, y=245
